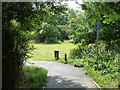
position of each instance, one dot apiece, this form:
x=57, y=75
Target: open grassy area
x=45, y=52
x=33, y=77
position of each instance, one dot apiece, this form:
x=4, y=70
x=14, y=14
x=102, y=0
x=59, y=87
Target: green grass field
x=45, y=52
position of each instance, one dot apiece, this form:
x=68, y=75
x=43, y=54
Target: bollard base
x=65, y=62
x=56, y=58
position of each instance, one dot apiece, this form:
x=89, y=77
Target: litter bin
x=56, y=54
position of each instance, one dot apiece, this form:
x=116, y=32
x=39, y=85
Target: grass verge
x=33, y=77
x=104, y=81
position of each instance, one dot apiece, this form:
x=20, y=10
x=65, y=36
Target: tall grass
x=33, y=77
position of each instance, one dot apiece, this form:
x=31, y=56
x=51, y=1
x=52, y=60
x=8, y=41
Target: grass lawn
x=33, y=77
x=45, y=52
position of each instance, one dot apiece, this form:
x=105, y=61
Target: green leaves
x=19, y=19
x=50, y=33
x=82, y=23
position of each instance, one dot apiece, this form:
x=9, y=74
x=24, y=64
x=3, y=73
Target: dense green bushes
x=85, y=56
x=84, y=35
x=50, y=33
x=19, y=20
x=15, y=50
x=15, y=40
x=48, y=30
x=106, y=57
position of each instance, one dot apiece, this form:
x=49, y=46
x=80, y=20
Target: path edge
x=95, y=83
x=46, y=80
x=66, y=64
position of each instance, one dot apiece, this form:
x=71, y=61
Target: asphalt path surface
x=64, y=76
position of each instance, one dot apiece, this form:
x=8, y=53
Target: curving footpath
x=64, y=75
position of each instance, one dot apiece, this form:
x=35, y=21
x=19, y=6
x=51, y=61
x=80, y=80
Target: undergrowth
x=33, y=77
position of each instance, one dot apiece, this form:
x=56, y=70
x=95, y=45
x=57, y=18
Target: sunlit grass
x=104, y=81
x=45, y=52
x=33, y=77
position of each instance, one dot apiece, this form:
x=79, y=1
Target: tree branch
x=78, y=3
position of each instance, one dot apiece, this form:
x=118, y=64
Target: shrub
x=51, y=40
x=16, y=47
x=85, y=56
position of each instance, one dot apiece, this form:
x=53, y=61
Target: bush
x=106, y=57
x=16, y=47
x=51, y=40
x=49, y=34
x=85, y=56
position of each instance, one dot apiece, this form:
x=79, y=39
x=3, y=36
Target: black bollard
x=65, y=58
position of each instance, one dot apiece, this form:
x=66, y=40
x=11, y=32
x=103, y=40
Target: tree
x=50, y=33
x=51, y=19
x=108, y=15
x=19, y=19
x=15, y=41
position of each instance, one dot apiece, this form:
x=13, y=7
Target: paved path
x=64, y=75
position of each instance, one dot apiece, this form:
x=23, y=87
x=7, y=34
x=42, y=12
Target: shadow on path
x=60, y=82
x=65, y=76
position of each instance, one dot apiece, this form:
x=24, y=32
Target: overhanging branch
x=78, y=3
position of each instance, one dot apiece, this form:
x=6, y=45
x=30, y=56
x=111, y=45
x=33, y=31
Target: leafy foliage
x=50, y=33
x=15, y=41
x=82, y=23
x=47, y=21
x=20, y=19
x=85, y=56
x=84, y=34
